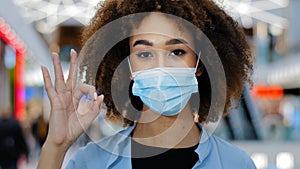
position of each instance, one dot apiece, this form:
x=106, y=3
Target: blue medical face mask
x=165, y=90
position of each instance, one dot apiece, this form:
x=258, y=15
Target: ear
x=130, y=77
x=199, y=72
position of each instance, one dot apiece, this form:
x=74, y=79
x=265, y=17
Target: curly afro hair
x=227, y=38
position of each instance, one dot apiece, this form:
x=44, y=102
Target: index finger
x=81, y=90
x=48, y=83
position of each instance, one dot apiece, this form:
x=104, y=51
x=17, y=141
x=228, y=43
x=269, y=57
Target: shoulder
x=86, y=156
x=227, y=146
x=231, y=154
x=97, y=154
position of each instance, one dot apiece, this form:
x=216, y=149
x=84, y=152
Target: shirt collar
x=120, y=145
x=204, y=146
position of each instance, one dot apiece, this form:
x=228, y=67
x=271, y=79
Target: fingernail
x=72, y=52
x=102, y=96
x=95, y=95
x=43, y=67
x=53, y=55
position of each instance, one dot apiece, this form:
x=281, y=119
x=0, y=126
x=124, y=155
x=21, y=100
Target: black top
x=12, y=142
x=144, y=157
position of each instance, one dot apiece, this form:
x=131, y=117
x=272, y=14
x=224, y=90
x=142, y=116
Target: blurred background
x=266, y=124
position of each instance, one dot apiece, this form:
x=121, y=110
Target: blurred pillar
x=20, y=108
x=294, y=26
x=262, y=41
x=4, y=82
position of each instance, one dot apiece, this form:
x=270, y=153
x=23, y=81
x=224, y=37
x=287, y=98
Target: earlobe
x=131, y=78
x=198, y=72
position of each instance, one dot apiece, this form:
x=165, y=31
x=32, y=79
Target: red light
x=273, y=92
x=5, y=30
x=19, y=47
x=1, y=24
x=9, y=37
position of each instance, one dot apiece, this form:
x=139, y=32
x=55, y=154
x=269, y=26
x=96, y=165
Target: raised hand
x=66, y=123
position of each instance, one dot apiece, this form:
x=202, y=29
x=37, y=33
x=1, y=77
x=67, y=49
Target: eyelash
x=140, y=54
x=182, y=52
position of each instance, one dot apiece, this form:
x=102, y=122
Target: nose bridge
x=161, y=58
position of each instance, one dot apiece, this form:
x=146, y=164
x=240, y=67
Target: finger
x=72, y=77
x=87, y=118
x=48, y=83
x=81, y=90
x=100, y=99
x=60, y=85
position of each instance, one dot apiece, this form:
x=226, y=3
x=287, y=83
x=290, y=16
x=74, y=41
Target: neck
x=179, y=131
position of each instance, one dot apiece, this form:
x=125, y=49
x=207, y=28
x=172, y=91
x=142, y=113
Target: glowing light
x=48, y=14
x=243, y=9
x=285, y=160
x=260, y=160
x=54, y=12
x=275, y=30
x=269, y=92
x=246, y=11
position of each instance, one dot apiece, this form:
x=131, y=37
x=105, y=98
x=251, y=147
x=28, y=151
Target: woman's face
x=160, y=42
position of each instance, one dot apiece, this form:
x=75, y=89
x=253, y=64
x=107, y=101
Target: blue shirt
x=114, y=152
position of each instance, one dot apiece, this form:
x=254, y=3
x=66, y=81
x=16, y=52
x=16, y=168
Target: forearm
x=51, y=157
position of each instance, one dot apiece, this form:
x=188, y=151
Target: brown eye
x=178, y=52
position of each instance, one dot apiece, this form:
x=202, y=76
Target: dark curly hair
x=223, y=32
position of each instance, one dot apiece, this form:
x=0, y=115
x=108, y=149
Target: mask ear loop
x=129, y=65
x=199, y=54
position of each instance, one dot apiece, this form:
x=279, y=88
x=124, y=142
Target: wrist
x=55, y=148
x=52, y=155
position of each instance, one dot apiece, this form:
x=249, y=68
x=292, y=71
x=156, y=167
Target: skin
x=162, y=39
x=159, y=50
x=66, y=124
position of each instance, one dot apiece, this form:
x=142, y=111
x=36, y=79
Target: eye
x=144, y=54
x=178, y=52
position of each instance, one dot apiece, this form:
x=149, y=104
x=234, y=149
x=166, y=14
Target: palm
x=66, y=124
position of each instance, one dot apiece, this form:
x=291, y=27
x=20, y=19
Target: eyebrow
x=176, y=41
x=169, y=42
x=142, y=42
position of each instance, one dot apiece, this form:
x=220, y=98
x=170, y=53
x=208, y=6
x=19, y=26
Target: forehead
x=158, y=24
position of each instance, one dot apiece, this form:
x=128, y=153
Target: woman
x=169, y=69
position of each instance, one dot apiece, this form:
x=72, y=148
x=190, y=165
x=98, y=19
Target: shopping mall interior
x=266, y=124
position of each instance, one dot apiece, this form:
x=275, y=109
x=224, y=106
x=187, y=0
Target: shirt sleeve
x=89, y=156
x=250, y=164
x=76, y=162
x=71, y=164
